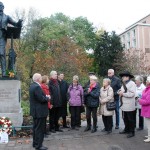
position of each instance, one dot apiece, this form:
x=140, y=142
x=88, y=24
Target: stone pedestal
x=10, y=101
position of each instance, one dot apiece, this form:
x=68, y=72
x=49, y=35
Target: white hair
x=139, y=78
x=93, y=77
x=75, y=77
x=36, y=77
x=111, y=70
x=52, y=73
x=148, y=79
x=107, y=80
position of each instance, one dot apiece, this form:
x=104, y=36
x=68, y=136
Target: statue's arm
x=12, y=22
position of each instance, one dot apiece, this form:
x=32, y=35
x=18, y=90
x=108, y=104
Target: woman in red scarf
x=92, y=102
x=45, y=88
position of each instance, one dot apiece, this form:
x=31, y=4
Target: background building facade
x=136, y=38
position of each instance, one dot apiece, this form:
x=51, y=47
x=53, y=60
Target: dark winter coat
x=38, y=101
x=54, y=88
x=92, y=98
x=116, y=85
x=63, y=91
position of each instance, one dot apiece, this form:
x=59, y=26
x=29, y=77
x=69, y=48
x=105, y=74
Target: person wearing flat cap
x=127, y=94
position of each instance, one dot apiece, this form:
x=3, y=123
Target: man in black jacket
x=63, y=90
x=116, y=85
x=38, y=110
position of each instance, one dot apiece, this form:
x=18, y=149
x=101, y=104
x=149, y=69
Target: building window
x=128, y=45
x=144, y=22
x=123, y=38
x=134, y=33
x=147, y=50
x=124, y=46
x=128, y=36
x=134, y=43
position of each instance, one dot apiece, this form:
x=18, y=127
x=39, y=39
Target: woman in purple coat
x=75, y=92
x=145, y=110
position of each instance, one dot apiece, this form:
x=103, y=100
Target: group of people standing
x=49, y=96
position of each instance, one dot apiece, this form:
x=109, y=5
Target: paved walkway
x=80, y=140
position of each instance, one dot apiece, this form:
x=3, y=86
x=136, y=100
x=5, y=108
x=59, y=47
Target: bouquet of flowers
x=5, y=125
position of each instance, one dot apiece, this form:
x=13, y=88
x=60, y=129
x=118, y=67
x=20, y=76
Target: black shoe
x=52, y=131
x=103, y=130
x=47, y=133
x=87, y=129
x=123, y=132
x=73, y=128
x=108, y=132
x=79, y=126
x=117, y=127
x=139, y=129
x=65, y=126
x=42, y=148
x=45, y=136
x=130, y=135
x=59, y=130
x=93, y=130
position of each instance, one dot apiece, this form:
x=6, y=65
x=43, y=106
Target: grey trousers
x=147, y=120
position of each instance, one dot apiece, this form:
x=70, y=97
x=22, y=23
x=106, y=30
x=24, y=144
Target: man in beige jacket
x=127, y=94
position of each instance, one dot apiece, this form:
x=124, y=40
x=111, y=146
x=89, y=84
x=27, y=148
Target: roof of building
x=136, y=24
x=137, y=21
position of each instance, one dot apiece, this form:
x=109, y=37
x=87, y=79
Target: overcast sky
x=111, y=14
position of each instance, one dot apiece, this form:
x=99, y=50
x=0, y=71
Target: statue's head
x=1, y=7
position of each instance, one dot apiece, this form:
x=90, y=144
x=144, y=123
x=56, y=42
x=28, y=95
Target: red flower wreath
x=5, y=125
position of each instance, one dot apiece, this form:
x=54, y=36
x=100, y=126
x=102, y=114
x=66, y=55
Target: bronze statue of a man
x=4, y=21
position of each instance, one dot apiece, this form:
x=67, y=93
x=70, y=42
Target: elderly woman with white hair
x=107, y=95
x=92, y=103
x=139, y=89
x=145, y=103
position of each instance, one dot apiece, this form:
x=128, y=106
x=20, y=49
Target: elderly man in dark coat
x=38, y=110
x=4, y=21
x=116, y=85
x=63, y=90
x=56, y=101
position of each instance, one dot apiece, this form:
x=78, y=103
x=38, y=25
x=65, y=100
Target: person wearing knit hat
x=145, y=103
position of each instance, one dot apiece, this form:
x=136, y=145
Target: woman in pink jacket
x=75, y=92
x=145, y=110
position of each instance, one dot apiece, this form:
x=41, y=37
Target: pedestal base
x=10, y=101
x=16, y=118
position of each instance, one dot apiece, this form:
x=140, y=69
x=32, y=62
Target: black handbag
x=110, y=105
